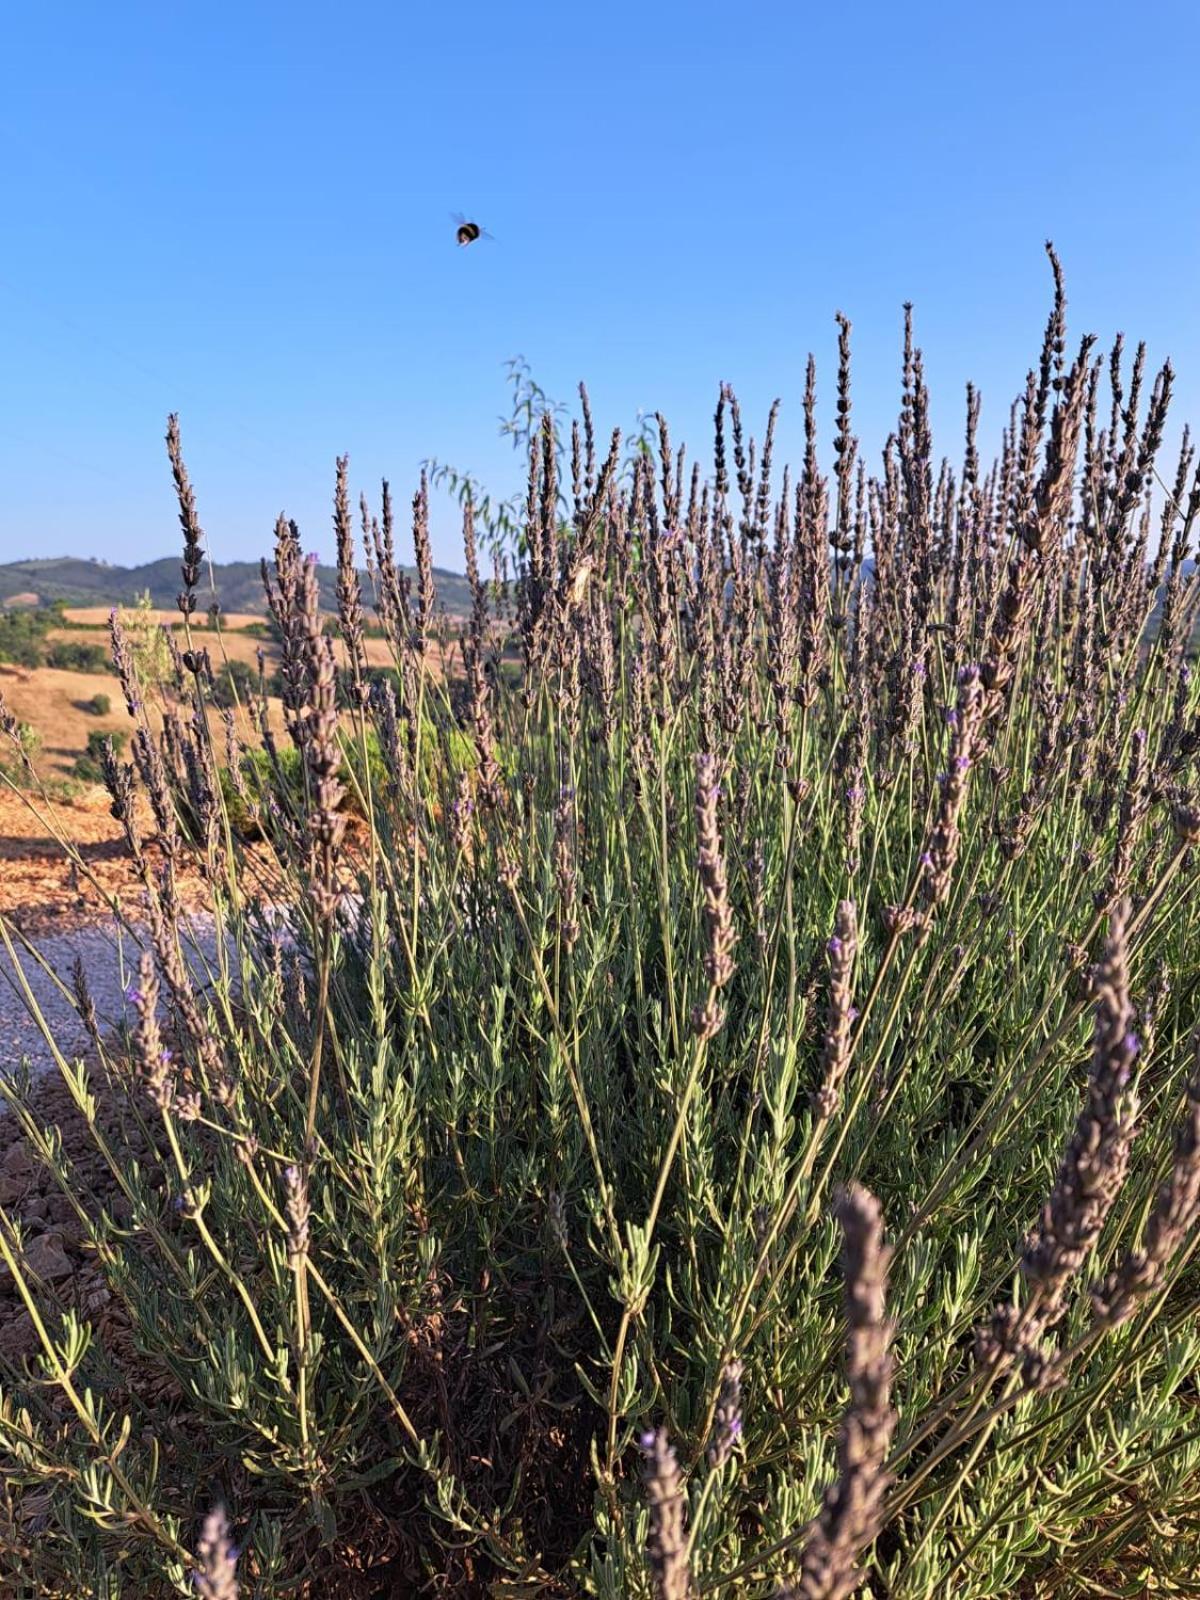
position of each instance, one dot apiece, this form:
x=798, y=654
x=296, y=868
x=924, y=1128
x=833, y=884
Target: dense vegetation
x=24, y=642
x=23, y=635
x=480, y=1220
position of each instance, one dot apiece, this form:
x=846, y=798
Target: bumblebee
x=466, y=232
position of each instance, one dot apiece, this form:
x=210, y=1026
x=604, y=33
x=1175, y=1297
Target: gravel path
x=110, y=965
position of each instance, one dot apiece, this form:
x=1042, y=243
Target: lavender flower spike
x=215, y=1578
x=1174, y=1218
x=727, y=1424
x=841, y=947
x=852, y=1512
x=666, y=1548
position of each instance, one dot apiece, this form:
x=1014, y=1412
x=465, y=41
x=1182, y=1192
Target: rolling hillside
x=238, y=583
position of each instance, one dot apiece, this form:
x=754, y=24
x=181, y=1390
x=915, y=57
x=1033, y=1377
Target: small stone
x=17, y=1162
x=45, y=1257
x=17, y=1336
x=96, y=1297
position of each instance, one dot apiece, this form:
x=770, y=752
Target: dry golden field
x=54, y=700
x=97, y=617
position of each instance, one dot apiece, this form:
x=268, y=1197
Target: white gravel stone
x=110, y=965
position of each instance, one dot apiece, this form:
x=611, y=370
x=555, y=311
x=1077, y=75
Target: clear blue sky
x=242, y=212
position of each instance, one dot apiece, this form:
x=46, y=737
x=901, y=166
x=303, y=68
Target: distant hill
x=238, y=583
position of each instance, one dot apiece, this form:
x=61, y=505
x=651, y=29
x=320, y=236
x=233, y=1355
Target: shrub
x=89, y=767
x=479, y=1222
x=148, y=644
x=72, y=655
x=274, y=782
x=22, y=743
x=100, y=705
x=23, y=636
x=237, y=682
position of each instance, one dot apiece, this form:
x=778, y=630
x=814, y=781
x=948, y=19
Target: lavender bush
x=785, y=864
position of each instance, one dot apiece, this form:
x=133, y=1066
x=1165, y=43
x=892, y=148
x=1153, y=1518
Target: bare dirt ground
x=40, y=891
x=55, y=1250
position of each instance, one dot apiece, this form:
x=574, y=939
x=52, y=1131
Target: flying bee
x=466, y=232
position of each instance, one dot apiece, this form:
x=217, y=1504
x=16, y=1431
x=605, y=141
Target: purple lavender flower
x=215, y=1577
x=666, y=1545
x=727, y=1420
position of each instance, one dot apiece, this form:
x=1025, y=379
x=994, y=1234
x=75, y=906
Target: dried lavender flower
x=565, y=867
x=842, y=948
x=852, y=1511
x=1174, y=1218
x=298, y=1213
x=153, y=1058
x=322, y=756
x=426, y=593
x=233, y=757
x=899, y=920
x=556, y=1216
x=718, y=913
x=123, y=664
x=942, y=851
x=1097, y=1158
x=349, y=588
x=666, y=1547
x=84, y=1003
x=193, y=533
x=1090, y=1177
